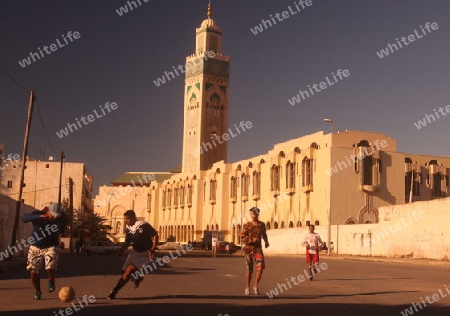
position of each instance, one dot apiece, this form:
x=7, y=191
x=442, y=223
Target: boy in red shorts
x=313, y=243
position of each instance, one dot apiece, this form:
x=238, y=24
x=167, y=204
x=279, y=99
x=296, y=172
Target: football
x=67, y=294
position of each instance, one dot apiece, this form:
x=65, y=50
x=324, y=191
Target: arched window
x=275, y=225
x=244, y=184
x=169, y=197
x=204, y=191
x=175, y=196
x=233, y=188
x=256, y=183
x=306, y=171
x=367, y=171
x=275, y=178
x=290, y=175
x=189, y=196
x=291, y=224
x=182, y=195
x=268, y=225
x=212, y=189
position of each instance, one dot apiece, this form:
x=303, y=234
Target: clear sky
x=116, y=58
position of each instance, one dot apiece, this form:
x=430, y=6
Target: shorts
x=137, y=259
x=37, y=257
x=257, y=259
x=312, y=257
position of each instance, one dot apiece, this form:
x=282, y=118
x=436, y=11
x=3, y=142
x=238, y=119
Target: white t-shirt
x=313, y=241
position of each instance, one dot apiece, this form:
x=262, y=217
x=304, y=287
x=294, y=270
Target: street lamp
x=328, y=120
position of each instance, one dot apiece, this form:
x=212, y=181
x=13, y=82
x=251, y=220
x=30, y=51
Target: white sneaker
x=247, y=291
x=255, y=291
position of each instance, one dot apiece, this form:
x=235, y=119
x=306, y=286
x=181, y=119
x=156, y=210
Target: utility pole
x=60, y=177
x=71, y=214
x=22, y=174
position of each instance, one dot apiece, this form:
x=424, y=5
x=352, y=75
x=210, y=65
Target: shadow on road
x=111, y=308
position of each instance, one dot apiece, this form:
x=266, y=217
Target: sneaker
x=310, y=278
x=112, y=295
x=137, y=281
x=247, y=291
x=37, y=295
x=51, y=286
x=255, y=291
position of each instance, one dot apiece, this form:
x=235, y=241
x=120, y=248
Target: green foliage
x=92, y=224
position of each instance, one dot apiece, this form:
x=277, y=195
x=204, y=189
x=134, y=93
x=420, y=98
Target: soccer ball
x=66, y=294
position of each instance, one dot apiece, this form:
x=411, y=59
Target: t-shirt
x=140, y=235
x=45, y=231
x=312, y=241
x=252, y=231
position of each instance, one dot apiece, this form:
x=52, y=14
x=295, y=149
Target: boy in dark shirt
x=143, y=237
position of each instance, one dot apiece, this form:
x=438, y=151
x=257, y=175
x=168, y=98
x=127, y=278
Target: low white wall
x=7, y=218
x=416, y=230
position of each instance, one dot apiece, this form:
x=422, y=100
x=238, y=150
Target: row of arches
x=178, y=233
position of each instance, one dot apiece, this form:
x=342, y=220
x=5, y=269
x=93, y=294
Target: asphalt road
x=194, y=284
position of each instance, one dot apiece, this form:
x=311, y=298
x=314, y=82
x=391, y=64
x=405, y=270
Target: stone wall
x=416, y=230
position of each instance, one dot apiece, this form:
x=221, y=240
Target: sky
x=116, y=58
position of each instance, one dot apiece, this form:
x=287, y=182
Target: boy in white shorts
x=143, y=237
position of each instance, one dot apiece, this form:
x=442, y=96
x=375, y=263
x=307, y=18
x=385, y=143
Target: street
x=196, y=284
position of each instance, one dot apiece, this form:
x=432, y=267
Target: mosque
x=338, y=178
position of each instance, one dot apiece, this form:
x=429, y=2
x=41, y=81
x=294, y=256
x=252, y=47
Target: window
x=189, y=197
x=204, y=192
x=244, y=184
x=175, y=196
x=9, y=184
x=182, y=195
x=367, y=170
x=436, y=188
x=256, y=183
x=274, y=178
x=290, y=175
x=233, y=188
x=47, y=166
x=212, y=189
x=169, y=197
x=307, y=165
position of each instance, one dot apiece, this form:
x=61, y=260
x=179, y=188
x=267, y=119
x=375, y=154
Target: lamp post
x=328, y=120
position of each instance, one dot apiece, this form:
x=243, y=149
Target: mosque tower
x=206, y=100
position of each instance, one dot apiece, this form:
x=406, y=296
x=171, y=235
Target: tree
x=93, y=224
x=97, y=227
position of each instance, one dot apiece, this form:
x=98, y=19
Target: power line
x=37, y=106
x=45, y=130
x=14, y=80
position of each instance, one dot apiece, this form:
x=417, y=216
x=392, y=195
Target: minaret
x=206, y=100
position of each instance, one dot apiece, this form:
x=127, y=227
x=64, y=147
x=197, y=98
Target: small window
x=47, y=166
x=9, y=184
